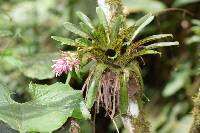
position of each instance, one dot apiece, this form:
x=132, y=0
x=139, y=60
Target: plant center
x=110, y=53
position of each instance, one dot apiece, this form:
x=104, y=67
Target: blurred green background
x=171, y=81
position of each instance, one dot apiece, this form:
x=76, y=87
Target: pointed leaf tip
x=64, y=40
x=102, y=18
x=85, y=19
x=162, y=44
x=70, y=27
x=141, y=24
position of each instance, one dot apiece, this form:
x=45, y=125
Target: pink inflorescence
x=65, y=64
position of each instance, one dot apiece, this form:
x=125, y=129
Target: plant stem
x=68, y=78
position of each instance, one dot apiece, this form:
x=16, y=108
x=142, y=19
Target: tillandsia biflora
x=114, y=81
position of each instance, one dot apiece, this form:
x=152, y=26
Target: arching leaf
x=70, y=27
x=145, y=52
x=83, y=42
x=85, y=28
x=64, y=40
x=149, y=39
x=94, y=84
x=135, y=68
x=161, y=44
x=140, y=24
x=85, y=19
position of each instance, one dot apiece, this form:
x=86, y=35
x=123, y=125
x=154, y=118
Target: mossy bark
x=114, y=7
x=137, y=123
x=117, y=5
x=196, y=114
x=140, y=123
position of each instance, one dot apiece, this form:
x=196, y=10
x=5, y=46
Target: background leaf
x=179, y=78
x=47, y=111
x=39, y=66
x=179, y=3
x=149, y=6
x=5, y=33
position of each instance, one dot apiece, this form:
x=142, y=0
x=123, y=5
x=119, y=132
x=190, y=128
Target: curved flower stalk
x=115, y=80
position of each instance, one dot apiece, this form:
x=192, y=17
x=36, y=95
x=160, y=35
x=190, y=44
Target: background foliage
x=26, y=51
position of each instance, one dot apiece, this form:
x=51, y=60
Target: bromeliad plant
x=112, y=52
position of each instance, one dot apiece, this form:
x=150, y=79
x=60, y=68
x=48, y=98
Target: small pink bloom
x=65, y=64
x=76, y=63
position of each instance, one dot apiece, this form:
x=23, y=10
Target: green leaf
x=179, y=3
x=135, y=68
x=85, y=28
x=64, y=40
x=94, y=84
x=146, y=6
x=83, y=42
x=99, y=36
x=115, y=28
x=124, y=91
x=161, y=44
x=85, y=20
x=70, y=27
x=13, y=61
x=196, y=30
x=102, y=18
x=87, y=67
x=47, y=111
x=183, y=125
x=141, y=24
x=195, y=22
x=81, y=112
x=39, y=66
x=145, y=52
x=193, y=40
x=5, y=33
x=149, y=39
x=86, y=114
x=179, y=78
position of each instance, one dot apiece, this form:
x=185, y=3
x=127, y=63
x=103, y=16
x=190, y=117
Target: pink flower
x=76, y=64
x=65, y=64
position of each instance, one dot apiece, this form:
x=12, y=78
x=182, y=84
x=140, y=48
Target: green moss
x=140, y=123
x=196, y=114
x=116, y=5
